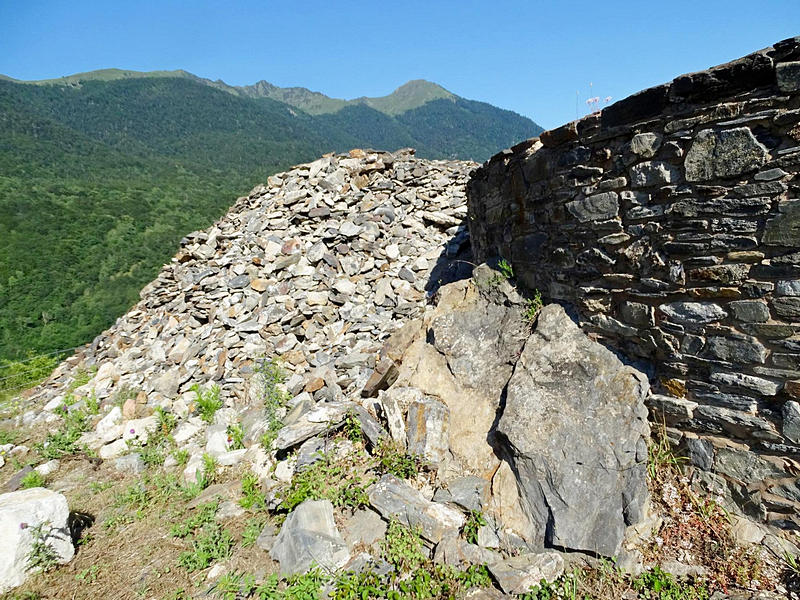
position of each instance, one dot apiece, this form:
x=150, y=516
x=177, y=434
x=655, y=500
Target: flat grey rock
x=309, y=537
x=320, y=418
x=364, y=527
x=468, y=492
x=394, y=498
x=518, y=574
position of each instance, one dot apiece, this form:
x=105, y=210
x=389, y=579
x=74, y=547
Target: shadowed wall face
x=672, y=222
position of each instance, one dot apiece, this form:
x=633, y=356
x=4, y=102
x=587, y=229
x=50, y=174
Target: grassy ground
x=152, y=536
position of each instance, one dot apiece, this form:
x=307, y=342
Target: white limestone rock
x=21, y=513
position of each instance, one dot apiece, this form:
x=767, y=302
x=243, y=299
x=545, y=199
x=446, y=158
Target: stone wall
x=671, y=221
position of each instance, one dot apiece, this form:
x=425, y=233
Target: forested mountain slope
x=100, y=176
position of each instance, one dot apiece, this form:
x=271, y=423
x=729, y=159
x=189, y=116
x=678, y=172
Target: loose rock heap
x=317, y=268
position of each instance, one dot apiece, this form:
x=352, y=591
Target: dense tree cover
x=99, y=182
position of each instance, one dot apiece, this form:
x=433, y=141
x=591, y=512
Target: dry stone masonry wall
x=671, y=220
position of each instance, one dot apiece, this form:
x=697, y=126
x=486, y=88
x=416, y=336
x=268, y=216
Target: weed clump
x=326, y=479
x=64, y=442
x=393, y=460
x=32, y=479
x=275, y=397
x=208, y=401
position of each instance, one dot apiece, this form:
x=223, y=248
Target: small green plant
x=42, y=556
x=123, y=394
x=88, y=575
x=232, y=586
x=475, y=521
x=352, y=427
x=307, y=586
x=565, y=587
x=792, y=562
x=64, y=441
x=532, y=307
x=166, y=421
x=403, y=547
x=7, y=437
x=392, y=459
x=204, y=515
x=93, y=404
x=272, y=377
x=662, y=462
x=235, y=436
x=154, y=450
x=253, y=498
x=212, y=543
x=81, y=377
x=336, y=481
x=658, y=585
x=32, y=479
x=505, y=268
x=252, y=530
x=97, y=487
x=208, y=401
x=181, y=456
x=209, y=470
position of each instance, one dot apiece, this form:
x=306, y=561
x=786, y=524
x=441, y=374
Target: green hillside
x=101, y=175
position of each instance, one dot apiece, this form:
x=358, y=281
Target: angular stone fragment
x=427, y=428
x=787, y=307
x=20, y=513
x=364, y=527
x=693, y=312
x=456, y=552
x=320, y=418
x=742, y=349
x=238, y=282
x=791, y=421
x=784, y=229
x=788, y=75
x=518, y=574
x=396, y=499
x=750, y=311
x=309, y=537
x=723, y=154
x=748, y=382
x=645, y=144
x=673, y=410
x=788, y=287
x=744, y=465
x=469, y=492
x=582, y=482
x=595, y=208
x=737, y=423
x=653, y=173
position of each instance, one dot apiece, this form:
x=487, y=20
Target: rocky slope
x=414, y=398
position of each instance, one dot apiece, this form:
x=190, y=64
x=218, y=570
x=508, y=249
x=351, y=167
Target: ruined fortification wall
x=672, y=222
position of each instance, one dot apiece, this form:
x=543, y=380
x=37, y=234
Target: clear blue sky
x=528, y=56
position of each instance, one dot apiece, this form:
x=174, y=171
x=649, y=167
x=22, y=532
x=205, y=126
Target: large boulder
x=23, y=515
x=462, y=354
x=575, y=431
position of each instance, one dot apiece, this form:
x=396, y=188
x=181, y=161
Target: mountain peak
x=409, y=96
